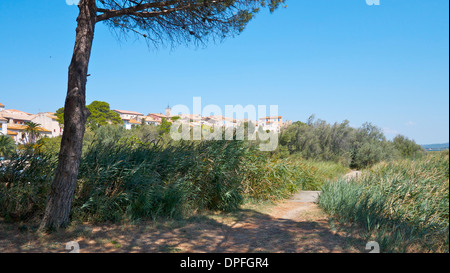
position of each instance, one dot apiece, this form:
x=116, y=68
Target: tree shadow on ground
x=244, y=231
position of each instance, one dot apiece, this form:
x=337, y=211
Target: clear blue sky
x=337, y=59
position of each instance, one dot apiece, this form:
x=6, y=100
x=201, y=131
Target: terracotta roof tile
x=125, y=112
x=20, y=127
x=134, y=122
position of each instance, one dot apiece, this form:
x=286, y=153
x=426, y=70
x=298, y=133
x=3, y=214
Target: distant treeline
x=436, y=147
x=338, y=142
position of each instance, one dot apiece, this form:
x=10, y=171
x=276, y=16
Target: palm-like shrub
x=32, y=131
x=7, y=146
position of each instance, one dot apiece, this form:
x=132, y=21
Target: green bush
x=351, y=147
x=7, y=146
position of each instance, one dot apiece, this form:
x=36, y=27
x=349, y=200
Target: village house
x=16, y=117
x=150, y=120
x=158, y=117
x=191, y=119
x=18, y=133
x=13, y=123
x=271, y=123
x=49, y=121
x=128, y=124
x=129, y=115
x=220, y=121
x=130, y=118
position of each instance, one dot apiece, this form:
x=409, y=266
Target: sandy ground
x=287, y=227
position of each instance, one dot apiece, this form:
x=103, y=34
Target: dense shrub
x=7, y=146
x=408, y=148
x=352, y=147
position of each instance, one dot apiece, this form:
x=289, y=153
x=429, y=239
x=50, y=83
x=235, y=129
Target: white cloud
x=410, y=123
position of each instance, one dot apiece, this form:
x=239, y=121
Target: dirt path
x=291, y=226
x=352, y=175
x=288, y=227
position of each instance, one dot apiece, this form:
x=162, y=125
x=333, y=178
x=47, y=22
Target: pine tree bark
x=59, y=204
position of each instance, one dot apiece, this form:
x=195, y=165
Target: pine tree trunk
x=59, y=204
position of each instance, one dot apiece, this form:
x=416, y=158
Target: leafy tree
x=165, y=126
x=101, y=114
x=159, y=22
x=370, y=146
x=407, y=148
x=7, y=146
x=60, y=114
x=337, y=142
x=290, y=136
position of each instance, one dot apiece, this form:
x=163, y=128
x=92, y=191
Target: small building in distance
x=130, y=118
x=13, y=123
x=150, y=120
x=17, y=132
x=128, y=124
x=16, y=116
x=168, y=111
x=48, y=120
x=129, y=115
x=273, y=123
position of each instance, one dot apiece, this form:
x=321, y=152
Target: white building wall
x=4, y=130
x=48, y=123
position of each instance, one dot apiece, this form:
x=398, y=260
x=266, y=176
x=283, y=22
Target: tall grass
x=125, y=177
x=323, y=170
x=134, y=180
x=25, y=184
x=403, y=205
